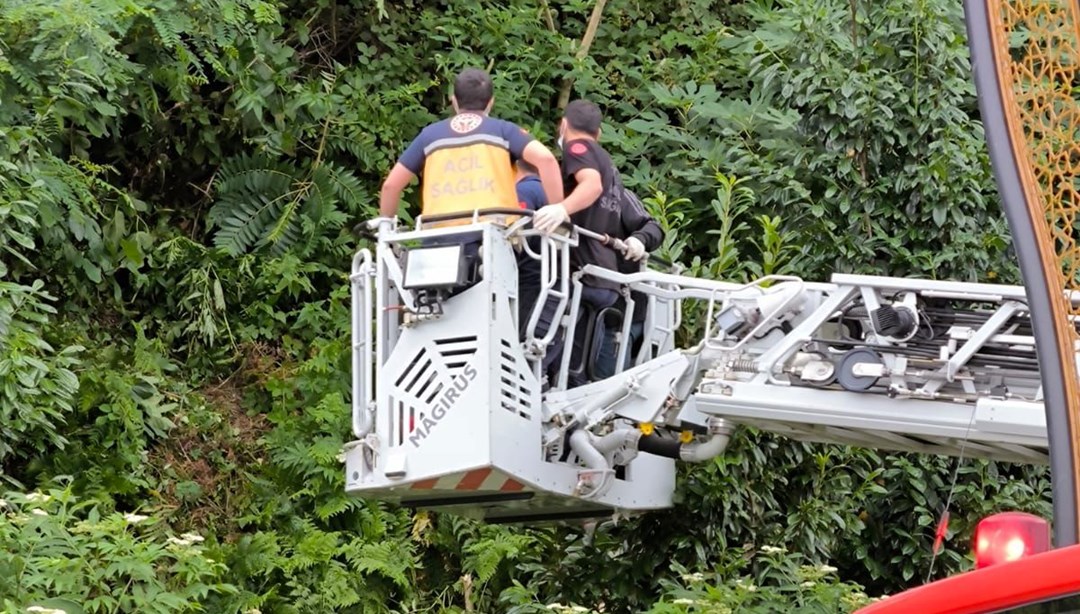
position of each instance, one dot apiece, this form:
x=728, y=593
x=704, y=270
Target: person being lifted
x=596, y=200
x=466, y=162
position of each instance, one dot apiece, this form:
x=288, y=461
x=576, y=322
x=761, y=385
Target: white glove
x=635, y=249
x=376, y=222
x=548, y=218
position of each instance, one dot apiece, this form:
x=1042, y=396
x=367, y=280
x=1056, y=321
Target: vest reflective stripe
x=468, y=139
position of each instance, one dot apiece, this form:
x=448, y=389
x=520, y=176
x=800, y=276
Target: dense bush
x=61, y=553
x=177, y=184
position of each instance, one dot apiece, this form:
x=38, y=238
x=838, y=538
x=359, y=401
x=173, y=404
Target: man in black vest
x=596, y=200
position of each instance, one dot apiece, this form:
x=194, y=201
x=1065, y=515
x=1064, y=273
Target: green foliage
x=37, y=384
x=261, y=203
x=777, y=581
x=736, y=254
x=124, y=406
x=73, y=82
x=769, y=580
x=78, y=556
x=19, y=225
x=830, y=124
x=177, y=184
x=915, y=487
x=194, y=279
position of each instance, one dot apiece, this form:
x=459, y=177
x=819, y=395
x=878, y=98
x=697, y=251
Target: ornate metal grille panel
x=1026, y=55
x=1042, y=68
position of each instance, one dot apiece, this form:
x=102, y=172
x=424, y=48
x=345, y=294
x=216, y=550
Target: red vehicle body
x=1044, y=583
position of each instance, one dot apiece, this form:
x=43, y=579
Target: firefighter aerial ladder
x=451, y=411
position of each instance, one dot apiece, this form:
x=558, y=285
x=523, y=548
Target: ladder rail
x=363, y=318
x=554, y=270
x=999, y=429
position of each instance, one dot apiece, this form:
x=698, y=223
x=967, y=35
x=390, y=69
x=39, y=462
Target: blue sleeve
x=517, y=138
x=413, y=158
x=531, y=195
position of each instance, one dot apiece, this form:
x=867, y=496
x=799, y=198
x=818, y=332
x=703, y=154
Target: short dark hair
x=584, y=116
x=526, y=167
x=473, y=89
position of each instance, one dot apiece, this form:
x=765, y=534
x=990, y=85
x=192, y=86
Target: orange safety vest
x=466, y=164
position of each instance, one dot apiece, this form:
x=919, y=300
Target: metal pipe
x=616, y=439
x=362, y=391
x=563, y=375
x=624, y=334
x=551, y=257
x=690, y=282
x=581, y=444
x=710, y=448
x=610, y=396
x=614, y=243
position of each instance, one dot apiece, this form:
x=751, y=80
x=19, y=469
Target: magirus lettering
x=445, y=401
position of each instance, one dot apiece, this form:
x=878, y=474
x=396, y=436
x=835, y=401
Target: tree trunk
x=583, y=50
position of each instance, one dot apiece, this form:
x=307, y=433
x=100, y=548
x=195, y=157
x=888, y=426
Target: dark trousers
x=596, y=299
x=608, y=356
x=528, y=295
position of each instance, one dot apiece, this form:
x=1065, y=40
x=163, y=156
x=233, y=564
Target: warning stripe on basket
x=473, y=479
x=477, y=479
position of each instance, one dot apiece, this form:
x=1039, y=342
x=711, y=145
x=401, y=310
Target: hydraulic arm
x=451, y=409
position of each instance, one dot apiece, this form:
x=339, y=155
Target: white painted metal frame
x=939, y=413
x=418, y=435
x=969, y=385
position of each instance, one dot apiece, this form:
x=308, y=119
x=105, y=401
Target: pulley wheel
x=845, y=371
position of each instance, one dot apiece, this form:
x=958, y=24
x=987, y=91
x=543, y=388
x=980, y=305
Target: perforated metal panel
x=515, y=388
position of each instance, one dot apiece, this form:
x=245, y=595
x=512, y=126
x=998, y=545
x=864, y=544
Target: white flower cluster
x=827, y=569
x=558, y=607
x=858, y=598
x=714, y=608
x=772, y=550
x=134, y=518
x=743, y=584
x=41, y=610
x=690, y=578
x=187, y=539
x=34, y=497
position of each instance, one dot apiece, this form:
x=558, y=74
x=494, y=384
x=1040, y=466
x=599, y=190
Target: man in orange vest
x=466, y=162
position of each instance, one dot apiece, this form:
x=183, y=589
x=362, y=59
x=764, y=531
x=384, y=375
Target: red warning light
x=1009, y=536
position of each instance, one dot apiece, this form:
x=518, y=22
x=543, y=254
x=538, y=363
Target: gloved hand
x=548, y=218
x=375, y=222
x=635, y=249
